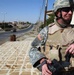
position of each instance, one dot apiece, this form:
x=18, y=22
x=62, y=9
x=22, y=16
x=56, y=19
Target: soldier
x=58, y=39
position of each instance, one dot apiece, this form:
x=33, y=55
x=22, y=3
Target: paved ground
x=14, y=59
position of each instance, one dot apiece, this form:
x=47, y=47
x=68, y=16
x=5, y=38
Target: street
x=6, y=35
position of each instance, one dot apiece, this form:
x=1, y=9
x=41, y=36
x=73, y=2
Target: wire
x=41, y=10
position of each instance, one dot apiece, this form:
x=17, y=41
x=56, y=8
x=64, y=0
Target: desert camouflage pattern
x=61, y=4
x=58, y=39
x=36, y=54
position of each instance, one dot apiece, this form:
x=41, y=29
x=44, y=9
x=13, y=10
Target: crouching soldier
x=58, y=38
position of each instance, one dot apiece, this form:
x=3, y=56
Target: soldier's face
x=67, y=13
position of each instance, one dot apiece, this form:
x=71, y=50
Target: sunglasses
x=67, y=9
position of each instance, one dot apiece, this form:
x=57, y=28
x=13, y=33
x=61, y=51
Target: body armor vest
x=55, y=48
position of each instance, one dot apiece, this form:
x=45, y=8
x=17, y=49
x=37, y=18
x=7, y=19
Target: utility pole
x=4, y=14
x=46, y=4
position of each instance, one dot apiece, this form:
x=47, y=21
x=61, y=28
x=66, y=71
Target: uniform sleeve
x=34, y=54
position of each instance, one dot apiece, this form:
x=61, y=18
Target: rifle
x=57, y=66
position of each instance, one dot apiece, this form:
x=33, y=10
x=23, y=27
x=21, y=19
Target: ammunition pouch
x=59, y=55
x=58, y=66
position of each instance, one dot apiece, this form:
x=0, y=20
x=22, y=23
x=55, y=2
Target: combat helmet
x=62, y=3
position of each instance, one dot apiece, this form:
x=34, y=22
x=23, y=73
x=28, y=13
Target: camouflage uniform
x=67, y=38
x=41, y=39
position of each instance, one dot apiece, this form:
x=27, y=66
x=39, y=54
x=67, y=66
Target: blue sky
x=22, y=10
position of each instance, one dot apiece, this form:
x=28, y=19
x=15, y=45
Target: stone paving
x=14, y=59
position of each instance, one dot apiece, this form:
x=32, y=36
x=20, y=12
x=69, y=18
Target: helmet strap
x=58, y=17
x=66, y=23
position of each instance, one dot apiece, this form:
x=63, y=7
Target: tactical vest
x=55, y=49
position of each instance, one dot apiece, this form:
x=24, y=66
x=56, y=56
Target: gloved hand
x=45, y=70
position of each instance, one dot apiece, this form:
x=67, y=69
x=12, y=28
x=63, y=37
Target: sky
x=23, y=10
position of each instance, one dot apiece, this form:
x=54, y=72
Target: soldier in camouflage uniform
x=56, y=36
